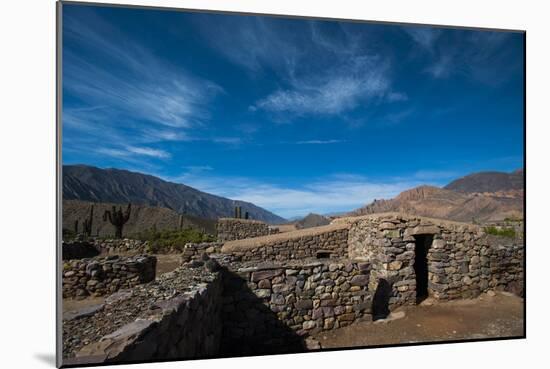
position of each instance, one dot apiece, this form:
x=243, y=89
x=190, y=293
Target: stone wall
x=230, y=229
x=272, y=292
x=178, y=317
x=193, y=251
x=326, y=241
x=104, y=275
x=271, y=308
x=506, y=265
x=131, y=246
x=121, y=246
x=461, y=260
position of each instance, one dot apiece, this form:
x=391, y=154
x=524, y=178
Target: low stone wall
x=506, y=265
x=230, y=229
x=121, y=246
x=193, y=251
x=326, y=241
x=270, y=309
x=104, y=275
x=178, y=317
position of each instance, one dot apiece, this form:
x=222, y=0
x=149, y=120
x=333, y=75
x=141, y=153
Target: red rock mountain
x=480, y=197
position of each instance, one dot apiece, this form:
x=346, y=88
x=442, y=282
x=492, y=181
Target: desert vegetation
x=502, y=231
x=172, y=239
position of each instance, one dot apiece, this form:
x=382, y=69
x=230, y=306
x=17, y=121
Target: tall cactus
x=117, y=218
x=246, y=215
x=239, y=212
x=87, y=225
x=181, y=223
x=76, y=227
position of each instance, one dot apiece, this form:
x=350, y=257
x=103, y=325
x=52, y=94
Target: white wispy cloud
x=194, y=169
x=332, y=93
x=262, y=43
x=334, y=193
x=132, y=100
x=319, y=142
x=147, y=151
x=471, y=54
x=320, y=72
x=129, y=152
x=426, y=37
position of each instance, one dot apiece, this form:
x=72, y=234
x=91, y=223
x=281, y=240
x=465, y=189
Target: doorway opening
x=422, y=244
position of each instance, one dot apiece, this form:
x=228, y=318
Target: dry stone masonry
x=177, y=316
x=230, y=229
x=193, y=251
x=104, y=275
x=266, y=294
x=461, y=261
x=121, y=246
x=270, y=308
x=326, y=241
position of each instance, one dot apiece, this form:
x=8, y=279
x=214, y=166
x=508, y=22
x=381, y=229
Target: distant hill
x=87, y=183
x=312, y=220
x=483, y=197
x=142, y=218
x=488, y=182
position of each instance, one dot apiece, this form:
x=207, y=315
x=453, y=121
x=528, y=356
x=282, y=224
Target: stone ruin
x=105, y=275
x=230, y=229
x=267, y=294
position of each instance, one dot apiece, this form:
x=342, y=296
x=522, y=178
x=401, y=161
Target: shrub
x=168, y=239
x=503, y=232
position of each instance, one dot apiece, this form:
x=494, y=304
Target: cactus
x=239, y=213
x=181, y=223
x=246, y=215
x=87, y=225
x=117, y=218
x=76, y=227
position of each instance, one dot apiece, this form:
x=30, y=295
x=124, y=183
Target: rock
x=263, y=293
x=349, y=317
x=264, y=283
x=304, y=304
x=265, y=274
x=386, y=225
x=329, y=323
x=277, y=299
x=195, y=264
x=212, y=265
x=395, y=265
x=360, y=280
x=312, y=344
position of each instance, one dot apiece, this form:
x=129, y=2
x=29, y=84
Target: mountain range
x=92, y=184
x=479, y=197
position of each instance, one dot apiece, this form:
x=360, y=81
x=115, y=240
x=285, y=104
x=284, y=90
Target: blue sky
x=293, y=115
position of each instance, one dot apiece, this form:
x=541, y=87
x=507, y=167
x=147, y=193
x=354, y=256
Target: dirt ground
x=487, y=316
x=165, y=263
